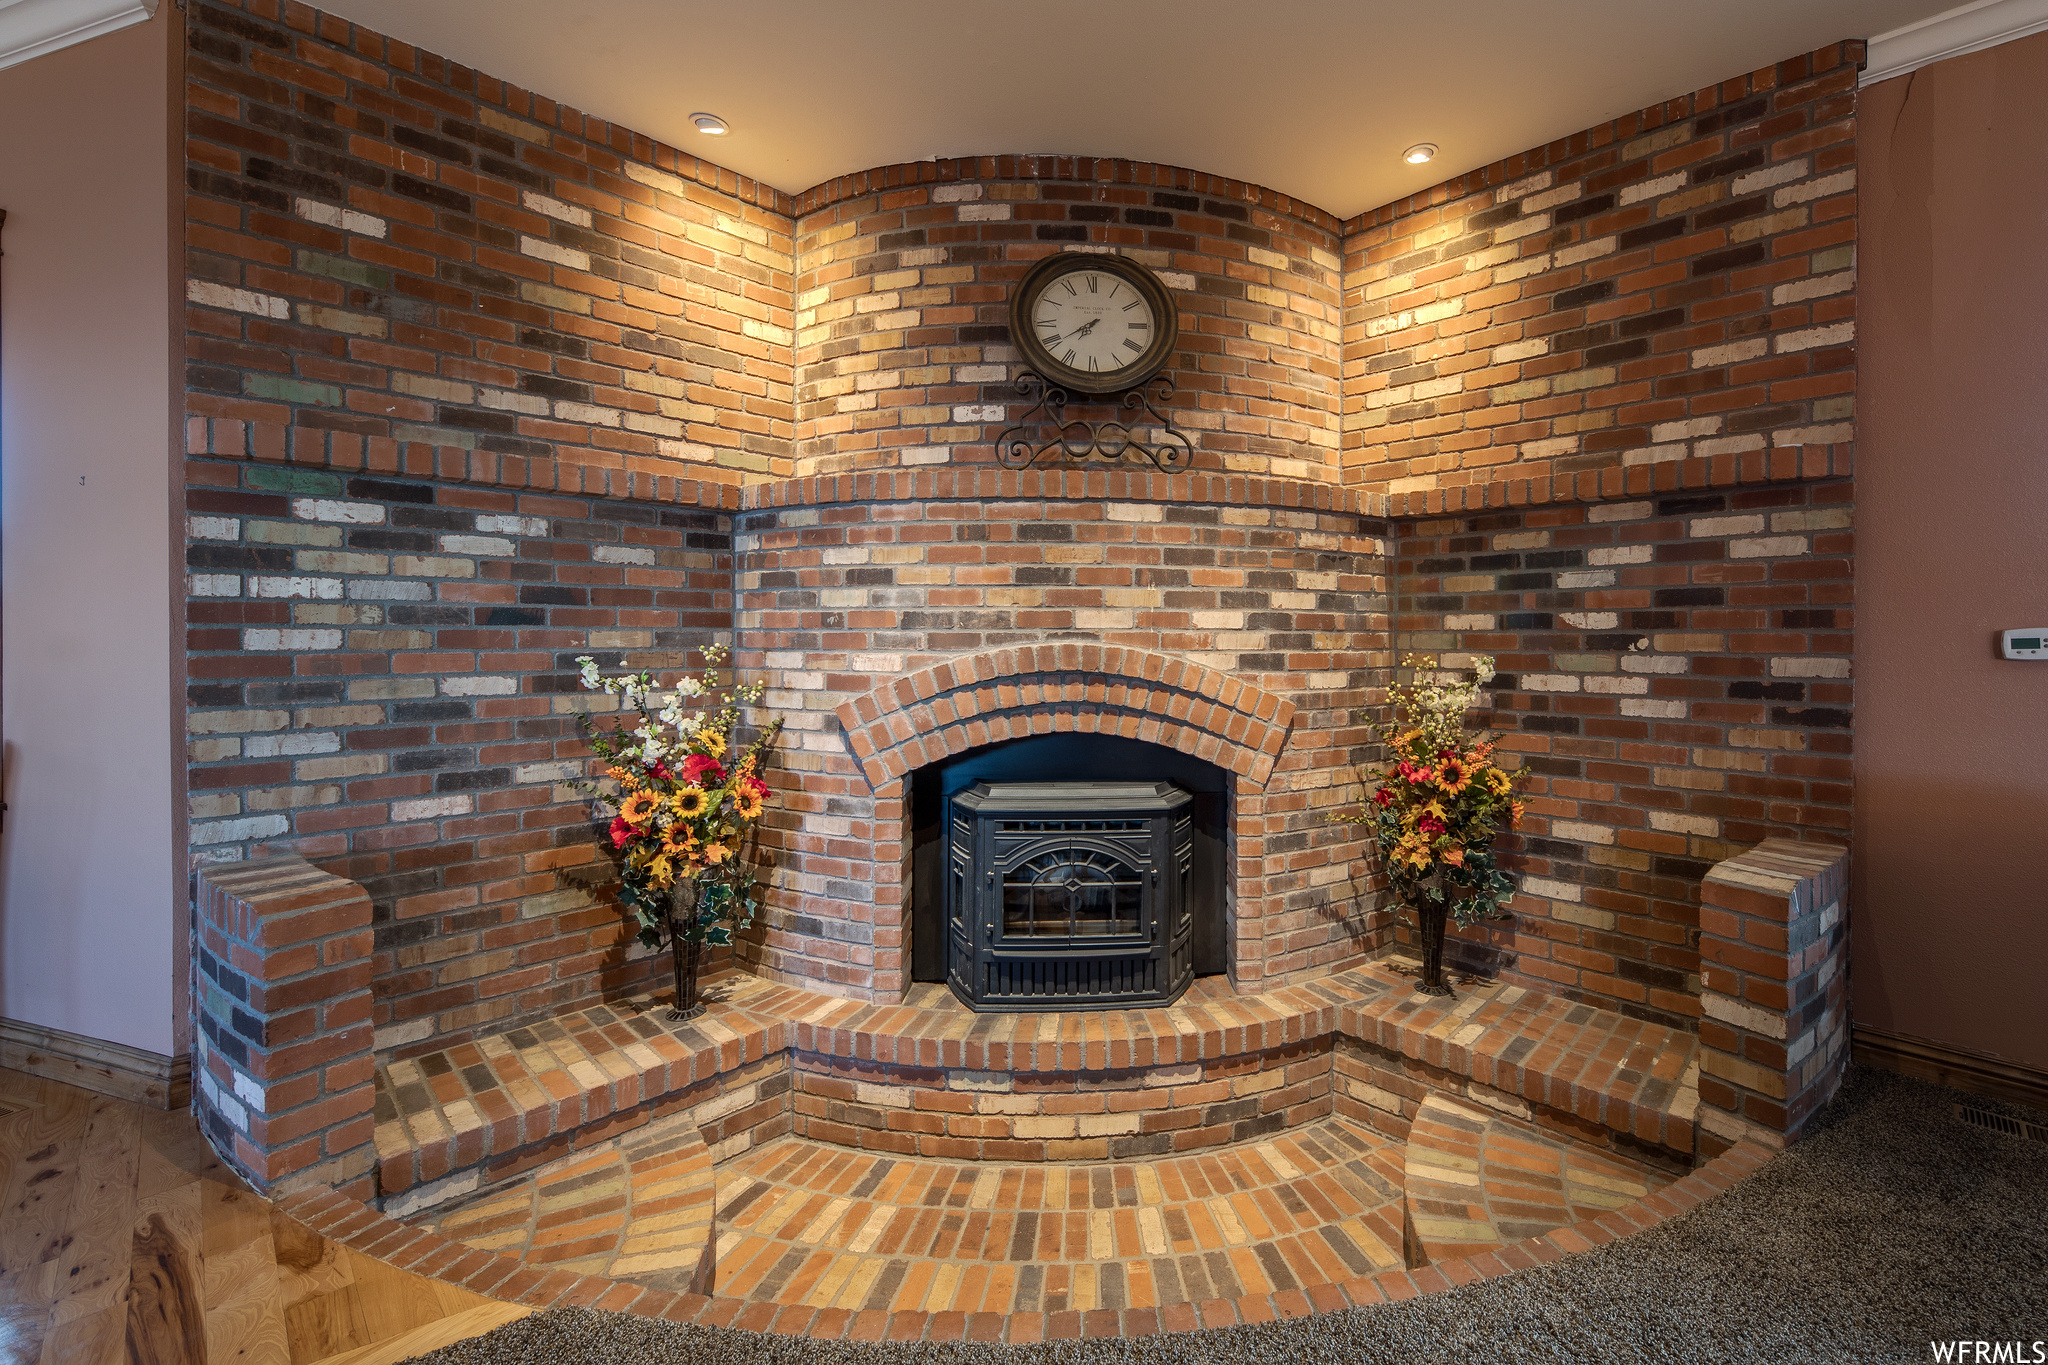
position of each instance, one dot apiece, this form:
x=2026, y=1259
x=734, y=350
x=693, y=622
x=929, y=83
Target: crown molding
x=33, y=28
x=1967, y=28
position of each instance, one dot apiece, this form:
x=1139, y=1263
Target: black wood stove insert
x=1069, y=894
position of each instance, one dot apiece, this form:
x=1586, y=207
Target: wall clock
x=1093, y=323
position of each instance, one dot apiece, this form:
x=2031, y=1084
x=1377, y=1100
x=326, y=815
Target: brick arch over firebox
x=979, y=699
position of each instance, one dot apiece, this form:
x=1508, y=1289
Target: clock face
x=1093, y=322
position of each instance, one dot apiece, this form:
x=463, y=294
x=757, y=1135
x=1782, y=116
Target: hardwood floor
x=125, y=1241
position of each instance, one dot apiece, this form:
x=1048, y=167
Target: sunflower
x=747, y=802
x=712, y=742
x=678, y=840
x=1452, y=776
x=1499, y=781
x=690, y=802
x=639, y=808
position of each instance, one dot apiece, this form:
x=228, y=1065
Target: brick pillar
x=1774, y=991
x=285, y=1083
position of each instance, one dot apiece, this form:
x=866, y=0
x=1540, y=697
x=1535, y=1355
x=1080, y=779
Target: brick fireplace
x=480, y=383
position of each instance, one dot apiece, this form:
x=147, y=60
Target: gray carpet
x=1894, y=1224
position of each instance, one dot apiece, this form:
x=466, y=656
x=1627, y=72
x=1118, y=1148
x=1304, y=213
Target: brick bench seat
x=461, y=1120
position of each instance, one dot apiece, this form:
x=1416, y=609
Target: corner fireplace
x=1070, y=894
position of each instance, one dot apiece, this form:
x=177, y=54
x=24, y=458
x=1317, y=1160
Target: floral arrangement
x=684, y=805
x=1439, y=798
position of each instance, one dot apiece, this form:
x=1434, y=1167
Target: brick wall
x=903, y=274
x=1675, y=285
x=382, y=679
x=1675, y=677
x=285, y=1084
x=388, y=249
x=1000, y=579
x=1774, y=991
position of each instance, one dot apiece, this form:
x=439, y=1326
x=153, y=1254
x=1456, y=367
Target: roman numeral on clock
x=1132, y=345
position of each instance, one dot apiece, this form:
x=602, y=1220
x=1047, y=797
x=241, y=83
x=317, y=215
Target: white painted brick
x=213, y=528
x=564, y=771
x=1520, y=350
x=957, y=194
x=237, y=831
x=1666, y=664
x=1817, y=287
x=1591, y=620
x=214, y=585
x=1685, y=430
x=328, y=509
x=1651, y=189
x=1615, y=685
x=479, y=685
x=1772, y=175
x=430, y=808
x=1730, y=1011
x=984, y=213
x=1710, y=357
x=1653, y=708
x=978, y=412
x=210, y=295
x=556, y=209
x=1839, y=183
x=477, y=545
x=1581, y=833
x=1586, y=578
x=513, y=526
x=311, y=589
x=544, y=250
x=1549, y=682
x=1834, y=334
x=292, y=744
x=1137, y=511
x=589, y=414
x=1585, y=251
x=641, y=555
x=1621, y=554
x=1550, y=890
x=348, y=220
x=270, y=638
x=1767, y=547
x=1677, y=822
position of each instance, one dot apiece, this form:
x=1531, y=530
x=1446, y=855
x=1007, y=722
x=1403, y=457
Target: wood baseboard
x=1926, y=1060
x=116, y=1069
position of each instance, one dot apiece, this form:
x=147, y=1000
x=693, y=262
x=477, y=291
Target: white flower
x=690, y=687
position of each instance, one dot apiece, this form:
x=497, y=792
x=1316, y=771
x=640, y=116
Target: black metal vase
x=685, y=948
x=1432, y=919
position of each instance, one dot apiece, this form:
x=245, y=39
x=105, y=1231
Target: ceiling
x=1314, y=98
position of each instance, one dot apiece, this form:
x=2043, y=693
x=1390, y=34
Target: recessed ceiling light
x=710, y=123
x=1419, y=153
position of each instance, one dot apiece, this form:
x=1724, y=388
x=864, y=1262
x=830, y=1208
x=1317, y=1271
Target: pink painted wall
x=1950, y=923
x=92, y=884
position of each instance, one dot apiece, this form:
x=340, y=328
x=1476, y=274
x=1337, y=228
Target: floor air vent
x=2001, y=1123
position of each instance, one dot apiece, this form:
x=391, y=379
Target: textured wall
x=1675, y=677
x=383, y=680
x=903, y=351
x=1674, y=285
x=387, y=248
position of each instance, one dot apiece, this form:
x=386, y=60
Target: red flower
x=1429, y=824
x=622, y=833
x=1383, y=797
x=757, y=787
x=696, y=765
x=661, y=771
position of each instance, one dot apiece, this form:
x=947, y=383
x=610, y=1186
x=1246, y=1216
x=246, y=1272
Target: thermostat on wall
x=2030, y=643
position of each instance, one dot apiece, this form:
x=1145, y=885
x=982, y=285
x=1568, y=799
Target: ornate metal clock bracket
x=1078, y=442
